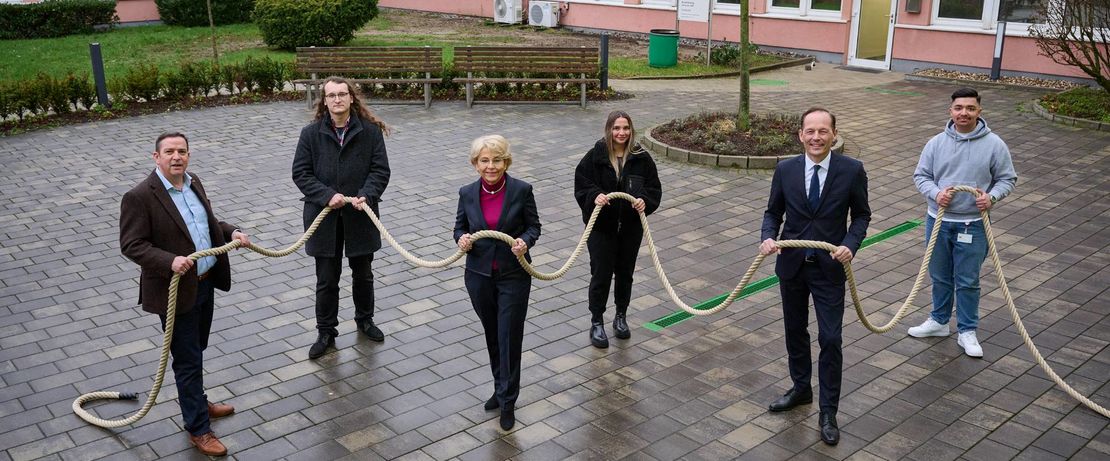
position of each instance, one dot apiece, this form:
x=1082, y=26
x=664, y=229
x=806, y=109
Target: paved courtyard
x=696, y=390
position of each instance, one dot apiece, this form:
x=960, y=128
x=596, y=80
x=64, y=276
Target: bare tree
x=743, y=116
x=1076, y=33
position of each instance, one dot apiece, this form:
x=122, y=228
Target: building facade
x=900, y=35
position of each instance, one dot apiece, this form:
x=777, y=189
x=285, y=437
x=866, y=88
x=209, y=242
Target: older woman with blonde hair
x=497, y=284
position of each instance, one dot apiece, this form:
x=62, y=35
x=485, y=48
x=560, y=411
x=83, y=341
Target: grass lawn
x=168, y=46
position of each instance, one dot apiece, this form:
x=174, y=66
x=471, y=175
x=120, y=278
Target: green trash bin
x=663, y=48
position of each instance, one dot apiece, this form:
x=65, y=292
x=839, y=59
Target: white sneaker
x=970, y=343
x=929, y=328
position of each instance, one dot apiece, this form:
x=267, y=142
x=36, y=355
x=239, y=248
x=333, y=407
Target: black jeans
x=612, y=256
x=828, y=304
x=190, y=338
x=327, y=291
x=501, y=302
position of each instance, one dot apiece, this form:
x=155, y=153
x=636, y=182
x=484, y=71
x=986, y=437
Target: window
x=960, y=9
x=830, y=8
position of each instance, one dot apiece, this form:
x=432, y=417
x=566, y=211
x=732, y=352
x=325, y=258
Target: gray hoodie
x=979, y=159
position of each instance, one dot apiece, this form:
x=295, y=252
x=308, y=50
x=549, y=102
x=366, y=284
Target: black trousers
x=828, y=304
x=501, y=302
x=327, y=288
x=612, y=257
x=190, y=339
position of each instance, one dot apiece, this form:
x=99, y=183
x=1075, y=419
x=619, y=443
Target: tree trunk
x=743, y=118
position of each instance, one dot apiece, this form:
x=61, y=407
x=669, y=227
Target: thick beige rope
x=167, y=336
x=744, y=281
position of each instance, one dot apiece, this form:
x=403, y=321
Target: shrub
x=287, y=24
x=79, y=90
x=195, y=12
x=139, y=83
x=193, y=79
x=1088, y=103
x=55, y=18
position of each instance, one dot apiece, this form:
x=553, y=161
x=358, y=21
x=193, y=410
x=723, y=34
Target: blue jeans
x=954, y=269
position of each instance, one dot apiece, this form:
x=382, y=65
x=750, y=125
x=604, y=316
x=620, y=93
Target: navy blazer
x=519, y=218
x=843, y=195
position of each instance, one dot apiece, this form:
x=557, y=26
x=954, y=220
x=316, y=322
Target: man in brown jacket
x=162, y=220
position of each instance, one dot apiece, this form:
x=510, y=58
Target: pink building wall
x=975, y=50
x=136, y=10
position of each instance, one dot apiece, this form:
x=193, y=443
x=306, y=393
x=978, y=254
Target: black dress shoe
x=620, y=326
x=492, y=403
x=508, y=419
x=792, y=399
x=830, y=433
x=323, y=342
x=597, y=336
x=373, y=332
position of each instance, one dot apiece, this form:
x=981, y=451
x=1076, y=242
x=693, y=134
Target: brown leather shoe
x=219, y=410
x=208, y=444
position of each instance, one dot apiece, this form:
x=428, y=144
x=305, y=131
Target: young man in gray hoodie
x=966, y=153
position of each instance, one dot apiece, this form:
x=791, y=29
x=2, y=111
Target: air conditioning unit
x=543, y=14
x=507, y=11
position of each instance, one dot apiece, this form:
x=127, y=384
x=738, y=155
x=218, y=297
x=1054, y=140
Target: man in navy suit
x=817, y=192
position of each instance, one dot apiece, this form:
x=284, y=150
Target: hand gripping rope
x=902, y=311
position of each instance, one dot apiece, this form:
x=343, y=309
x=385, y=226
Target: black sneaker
x=373, y=332
x=492, y=404
x=323, y=342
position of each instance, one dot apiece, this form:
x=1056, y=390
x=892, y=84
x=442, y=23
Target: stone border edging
x=980, y=83
x=744, y=162
x=777, y=65
x=1066, y=120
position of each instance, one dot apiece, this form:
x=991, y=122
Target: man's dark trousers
x=828, y=297
x=190, y=338
x=501, y=302
x=328, y=271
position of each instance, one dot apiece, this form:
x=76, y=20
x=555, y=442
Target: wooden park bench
x=371, y=65
x=502, y=64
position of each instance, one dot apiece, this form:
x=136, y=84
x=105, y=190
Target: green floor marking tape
x=767, y=82
x=763, y=284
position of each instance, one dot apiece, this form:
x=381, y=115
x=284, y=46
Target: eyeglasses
x=335, y=96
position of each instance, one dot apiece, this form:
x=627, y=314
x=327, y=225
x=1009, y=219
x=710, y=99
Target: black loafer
x=491, y=404
x=323, y=342
x=373, y=332
x=830, y=433
x=792, y=399
x=597, y=336
x=620, y=327
x=508, y=419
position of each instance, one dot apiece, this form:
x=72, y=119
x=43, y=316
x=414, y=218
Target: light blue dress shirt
x=195, y=217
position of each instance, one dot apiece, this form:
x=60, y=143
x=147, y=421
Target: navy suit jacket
x=843, y=196
x=519, y=218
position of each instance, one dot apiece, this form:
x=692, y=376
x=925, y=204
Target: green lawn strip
x=168, y=46
x=768, y=282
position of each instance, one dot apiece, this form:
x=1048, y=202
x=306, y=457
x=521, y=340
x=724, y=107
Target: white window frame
x=804, y=9
x=989, y=21
x=663, y=3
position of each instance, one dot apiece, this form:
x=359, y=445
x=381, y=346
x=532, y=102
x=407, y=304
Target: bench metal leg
x=427, y=95
x=469, y=91
x=583, y=95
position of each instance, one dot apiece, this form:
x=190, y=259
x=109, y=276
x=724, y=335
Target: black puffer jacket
x=595, y=175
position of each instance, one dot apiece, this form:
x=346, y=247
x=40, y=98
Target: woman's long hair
x=357, y=106
x=612, y=120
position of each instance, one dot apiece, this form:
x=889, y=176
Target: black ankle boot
x=597, y=335
x=620, y=326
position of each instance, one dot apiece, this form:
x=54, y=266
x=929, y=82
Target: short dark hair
x=966, y=93
x=169, y=134
x=819, y=109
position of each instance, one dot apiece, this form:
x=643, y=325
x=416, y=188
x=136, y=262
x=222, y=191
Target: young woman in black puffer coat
x=615, y=164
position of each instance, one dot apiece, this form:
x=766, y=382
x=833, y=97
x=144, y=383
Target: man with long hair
x=342, y=154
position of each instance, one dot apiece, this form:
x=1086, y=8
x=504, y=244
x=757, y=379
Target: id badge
x=963, y=238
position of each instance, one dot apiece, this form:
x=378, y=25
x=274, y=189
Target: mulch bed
x=979, y=77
